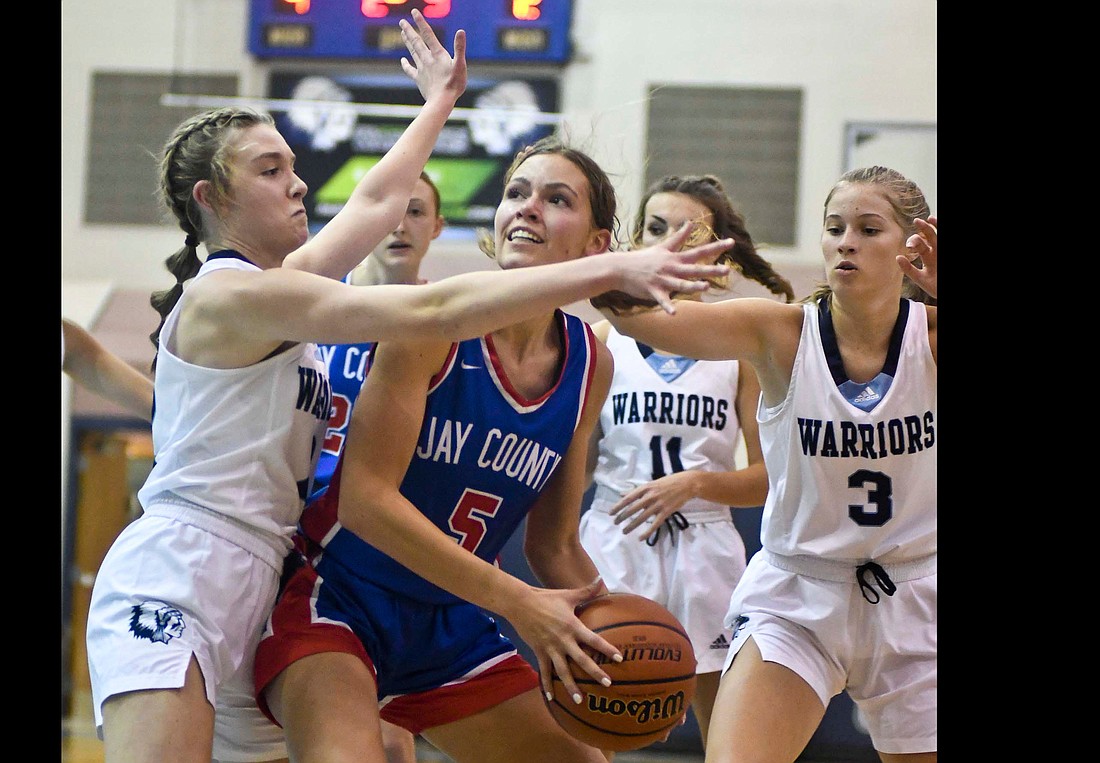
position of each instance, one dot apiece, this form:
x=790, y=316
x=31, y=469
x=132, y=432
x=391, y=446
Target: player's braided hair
x=196, y=150
x=908, y=202
x=727, y=223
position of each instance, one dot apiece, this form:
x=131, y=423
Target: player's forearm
x=125, y=385
x=109, y=376
x=406, y=535
x=742, y=488
x=393, y=177
x=378, y=201
x=475, y=304
x=566, y=566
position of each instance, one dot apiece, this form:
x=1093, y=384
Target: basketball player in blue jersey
x=242, y=401
x=842, y=597
x=451, y=446
x=663, y=456
x=396, y=259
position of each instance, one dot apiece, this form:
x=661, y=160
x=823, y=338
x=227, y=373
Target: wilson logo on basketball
x=642, y=711
x=651, y=689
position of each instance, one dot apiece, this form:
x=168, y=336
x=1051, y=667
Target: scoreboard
x=519, y=31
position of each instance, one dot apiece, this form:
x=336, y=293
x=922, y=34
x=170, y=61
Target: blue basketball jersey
x=347, y=367
x=483, y=456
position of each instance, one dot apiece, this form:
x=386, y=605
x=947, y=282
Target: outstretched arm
x=758, y=330
x=379, y=200
x=93, y=366
x=252, y=313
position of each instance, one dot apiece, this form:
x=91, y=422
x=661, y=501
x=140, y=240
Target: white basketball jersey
x=652, y=427
x=242, y=442
x=846, y=484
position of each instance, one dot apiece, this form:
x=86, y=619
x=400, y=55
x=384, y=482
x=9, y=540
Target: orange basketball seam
x=627, y=623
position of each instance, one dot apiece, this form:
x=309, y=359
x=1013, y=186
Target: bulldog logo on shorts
x=739, y=626
x=156, y=621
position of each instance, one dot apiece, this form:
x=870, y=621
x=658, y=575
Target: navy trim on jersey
x=229, y=254
x=832, y=349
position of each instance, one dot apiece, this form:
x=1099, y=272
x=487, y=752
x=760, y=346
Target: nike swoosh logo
x=466, y=365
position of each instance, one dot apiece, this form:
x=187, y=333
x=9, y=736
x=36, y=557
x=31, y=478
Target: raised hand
x=432, y=68
x=661, y=270
x=924, y=245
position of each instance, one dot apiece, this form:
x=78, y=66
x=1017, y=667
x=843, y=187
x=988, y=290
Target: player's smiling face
x=545, y=215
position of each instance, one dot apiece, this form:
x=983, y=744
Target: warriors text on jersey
x=241, y=442
x=687, y=423
x=482, y=458
x=853, y=479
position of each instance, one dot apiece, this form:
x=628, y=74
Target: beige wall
x=855, y=60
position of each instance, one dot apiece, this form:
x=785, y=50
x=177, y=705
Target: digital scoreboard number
x=496, y=30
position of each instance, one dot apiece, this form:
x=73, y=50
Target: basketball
x=651, y=688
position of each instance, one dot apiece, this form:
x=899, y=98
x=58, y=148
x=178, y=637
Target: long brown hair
x=728, y=223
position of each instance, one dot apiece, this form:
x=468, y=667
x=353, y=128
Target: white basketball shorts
x=692, y=572
x=883, y=655
x=171, y=587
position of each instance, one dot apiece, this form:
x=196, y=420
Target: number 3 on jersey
x=879, y=488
